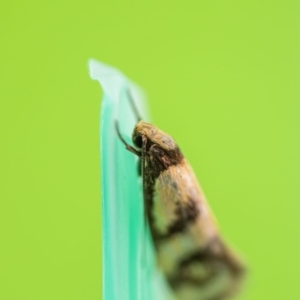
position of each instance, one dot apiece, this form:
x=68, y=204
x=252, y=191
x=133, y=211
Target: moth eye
x=138, y=141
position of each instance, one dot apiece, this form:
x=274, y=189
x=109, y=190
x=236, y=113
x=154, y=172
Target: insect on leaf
x=195, y=261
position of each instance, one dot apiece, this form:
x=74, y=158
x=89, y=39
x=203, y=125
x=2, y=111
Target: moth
x=197, y=263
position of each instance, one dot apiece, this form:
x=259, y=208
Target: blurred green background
x=222, y=78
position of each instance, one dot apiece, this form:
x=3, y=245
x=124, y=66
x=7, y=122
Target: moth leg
x=128, y=147
x=139, y=167
x=146, y=181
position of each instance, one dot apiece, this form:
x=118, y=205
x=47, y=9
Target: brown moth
x=196, y=262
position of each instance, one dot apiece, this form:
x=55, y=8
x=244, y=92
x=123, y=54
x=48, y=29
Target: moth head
x=151, y=135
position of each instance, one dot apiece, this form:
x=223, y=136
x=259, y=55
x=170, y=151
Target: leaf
x=129, y=267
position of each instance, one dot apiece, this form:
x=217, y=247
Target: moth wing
x=196, y=261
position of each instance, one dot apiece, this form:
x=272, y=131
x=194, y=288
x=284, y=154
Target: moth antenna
x=133, y=106
x=128, y=147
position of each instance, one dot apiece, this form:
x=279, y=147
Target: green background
x=222, y=78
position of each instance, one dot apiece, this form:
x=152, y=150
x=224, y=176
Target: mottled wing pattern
x=197, y=264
